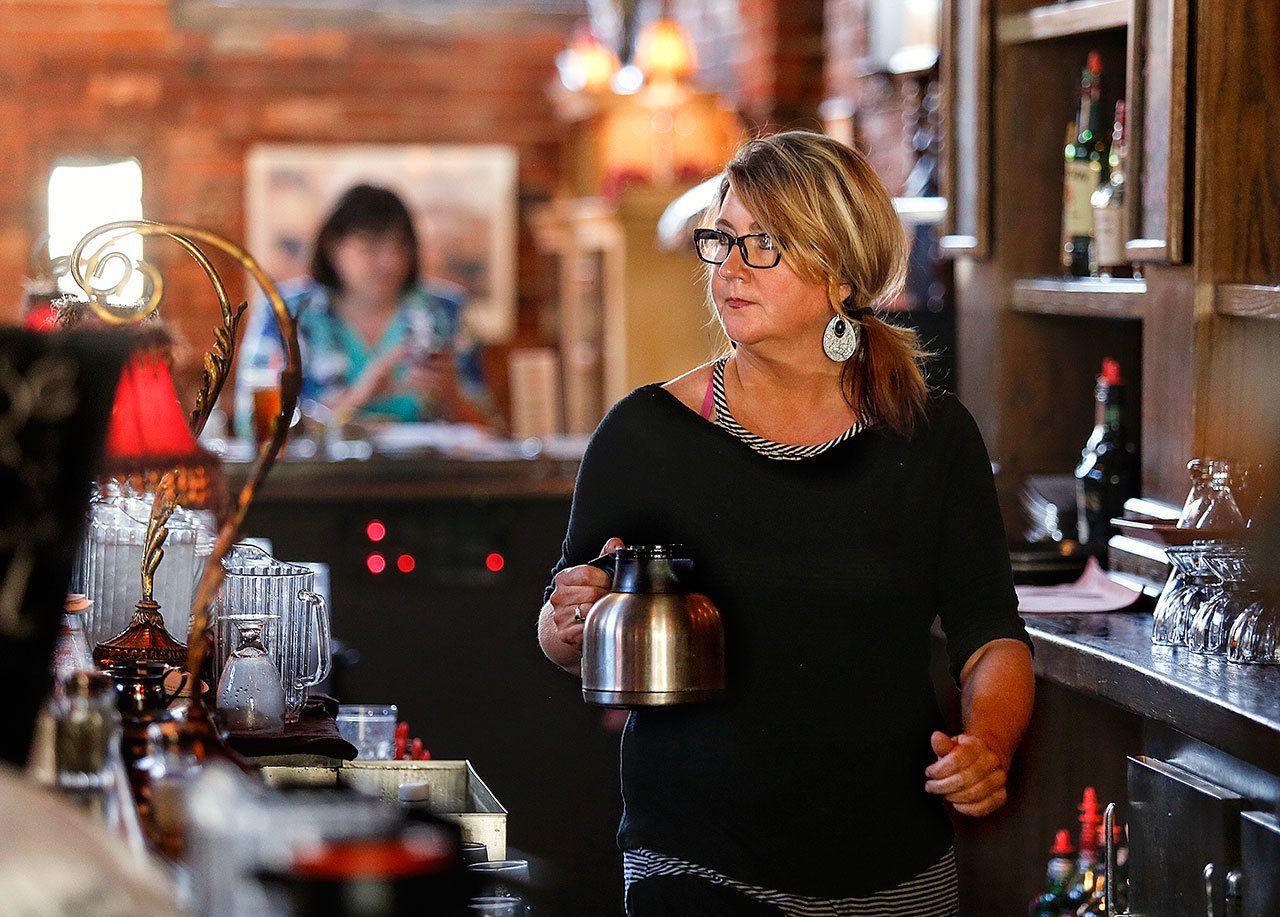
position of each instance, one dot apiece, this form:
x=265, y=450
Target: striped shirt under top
x=724, y=418
x=932, y=893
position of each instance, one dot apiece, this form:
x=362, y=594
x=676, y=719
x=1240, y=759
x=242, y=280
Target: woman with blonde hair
x=836, y=507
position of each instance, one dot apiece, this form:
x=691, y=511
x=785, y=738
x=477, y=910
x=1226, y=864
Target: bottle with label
x=1109, y=229
x=1108, y=473
x=1085, y=170
x=1049, y=903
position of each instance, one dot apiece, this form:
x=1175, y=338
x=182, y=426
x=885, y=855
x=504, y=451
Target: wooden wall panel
x=1237, y=156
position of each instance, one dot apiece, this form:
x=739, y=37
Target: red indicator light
x=375, y=530
x=495, y=562
x=405, y=563
x=376, y=563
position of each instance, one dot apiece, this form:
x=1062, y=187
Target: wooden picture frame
x=462, y=198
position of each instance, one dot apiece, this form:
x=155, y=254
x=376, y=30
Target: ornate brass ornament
x=217, y=363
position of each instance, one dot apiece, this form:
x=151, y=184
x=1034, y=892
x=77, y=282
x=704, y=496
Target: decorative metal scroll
x=217, y=364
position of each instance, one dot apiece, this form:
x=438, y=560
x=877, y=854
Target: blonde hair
x=835, y=224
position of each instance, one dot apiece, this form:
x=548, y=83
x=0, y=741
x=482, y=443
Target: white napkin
x=1093, y=591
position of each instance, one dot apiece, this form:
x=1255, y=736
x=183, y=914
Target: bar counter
x=433, y=638
x=436, y=606
x=1235, y=708
x=1105, y=694
x=419, y=475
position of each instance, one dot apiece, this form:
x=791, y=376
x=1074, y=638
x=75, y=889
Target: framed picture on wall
x=462, y=197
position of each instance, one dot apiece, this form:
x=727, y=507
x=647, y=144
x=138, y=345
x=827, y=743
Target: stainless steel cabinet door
x=1260, y=864
x=1178, y=823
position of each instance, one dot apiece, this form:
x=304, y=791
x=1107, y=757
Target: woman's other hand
x=575, y=590
x=969, y=773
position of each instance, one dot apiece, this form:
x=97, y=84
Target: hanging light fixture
x=665, y=52
x=587, y=64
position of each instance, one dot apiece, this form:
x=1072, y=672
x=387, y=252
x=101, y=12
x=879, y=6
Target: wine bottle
x=1108, y=472
x=1085, y=170
x=1109, y=228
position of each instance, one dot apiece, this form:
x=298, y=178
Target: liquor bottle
x=1061, y=866
x=1085, y=169
x=1108, y=206
x=1107, y=475
x=1064, y=243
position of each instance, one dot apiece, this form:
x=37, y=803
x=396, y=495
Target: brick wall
x=79, y=77
x=779, y=65
x=779, y=59
x=877, y=100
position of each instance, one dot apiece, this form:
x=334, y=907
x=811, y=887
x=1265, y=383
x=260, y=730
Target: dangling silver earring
x=840, y=339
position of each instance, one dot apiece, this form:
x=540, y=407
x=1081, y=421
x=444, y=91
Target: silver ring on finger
x=577, y=614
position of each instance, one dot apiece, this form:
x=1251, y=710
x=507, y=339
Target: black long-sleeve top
x=828, y=573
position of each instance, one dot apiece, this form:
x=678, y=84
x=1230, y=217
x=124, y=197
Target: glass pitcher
x=108, y=566
x=258, y=584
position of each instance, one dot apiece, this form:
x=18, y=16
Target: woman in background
x=377, y=343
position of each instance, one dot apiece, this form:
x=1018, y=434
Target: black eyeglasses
x=758, y=249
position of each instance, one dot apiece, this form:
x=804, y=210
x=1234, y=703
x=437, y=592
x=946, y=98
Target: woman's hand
x=969, y=773
x=374, y=381
x=436, y=377
x=576, y=590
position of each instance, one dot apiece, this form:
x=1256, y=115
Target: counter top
x=425, y=475
x=1110, y=656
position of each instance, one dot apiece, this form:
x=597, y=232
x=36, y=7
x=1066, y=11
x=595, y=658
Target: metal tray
x=457, y=792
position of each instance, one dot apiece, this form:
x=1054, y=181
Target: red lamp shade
x=148, y=429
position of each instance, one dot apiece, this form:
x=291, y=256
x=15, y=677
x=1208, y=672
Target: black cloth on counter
x=828, y=572
x=315, y=733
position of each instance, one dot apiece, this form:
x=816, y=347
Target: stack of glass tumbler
x=1212, y=603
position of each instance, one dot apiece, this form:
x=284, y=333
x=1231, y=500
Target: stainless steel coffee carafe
x=652, y=641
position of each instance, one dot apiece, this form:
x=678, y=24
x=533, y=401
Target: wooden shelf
x=1089, y=297
x=1060, y=20
x=1244, y=300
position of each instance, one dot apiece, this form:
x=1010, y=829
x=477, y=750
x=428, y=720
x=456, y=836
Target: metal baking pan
x=456, y=790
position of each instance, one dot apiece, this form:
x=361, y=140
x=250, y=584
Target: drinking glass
x=497, y=906
x=1255, y=636
x=501, y=877
x=1191, y=585
x=370, y=728
x=250, y=693
x=1221, y=512
x=257, y=583
x=1210, y=628
x=1198, y=497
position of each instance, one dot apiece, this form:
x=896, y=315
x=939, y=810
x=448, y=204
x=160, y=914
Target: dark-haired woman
x=376, y=342
x=836, y=507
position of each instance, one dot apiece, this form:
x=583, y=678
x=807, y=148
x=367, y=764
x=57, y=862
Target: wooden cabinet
x=1158, y=51
x=630, y=313
x=966, y=104
x=1030, y=340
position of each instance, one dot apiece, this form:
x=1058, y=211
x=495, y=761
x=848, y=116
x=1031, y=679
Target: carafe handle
x=606, y=562
x=324, y=648
x=182, y=683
